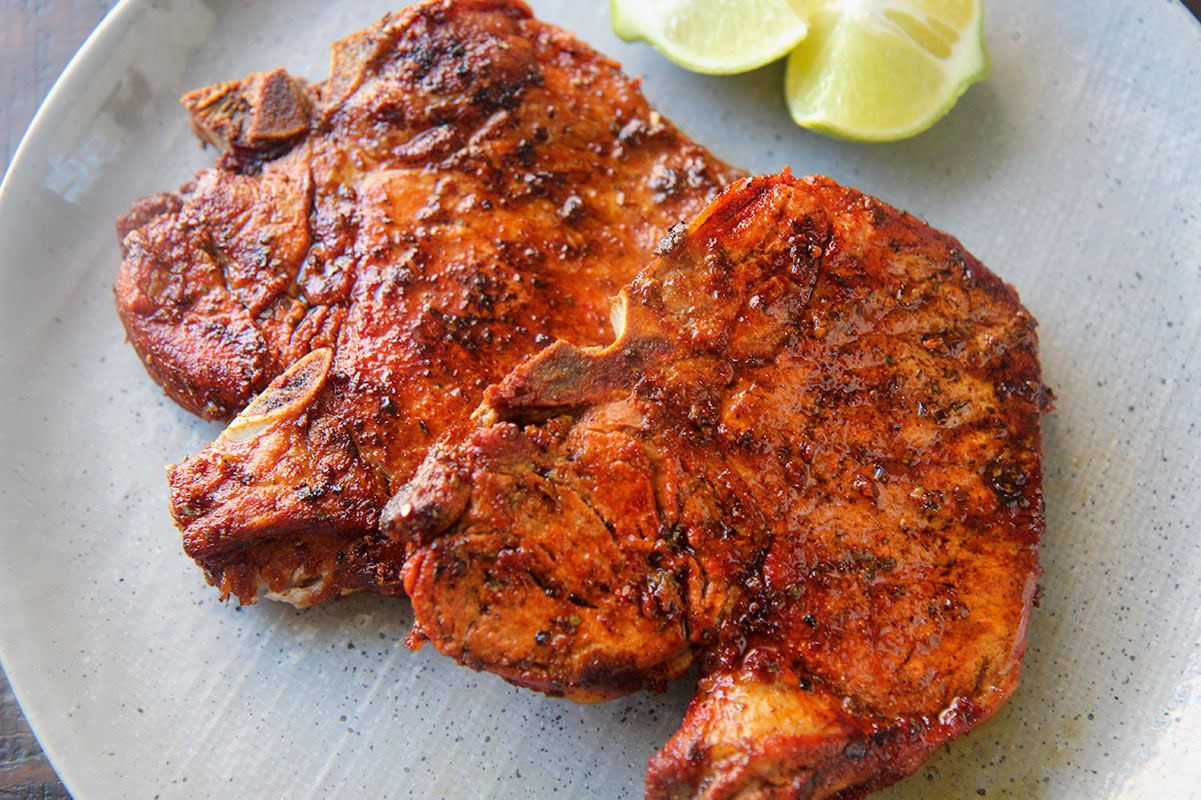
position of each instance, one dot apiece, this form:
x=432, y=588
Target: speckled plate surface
x=1074, y=172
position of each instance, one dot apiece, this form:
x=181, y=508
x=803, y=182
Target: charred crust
x=253, y=120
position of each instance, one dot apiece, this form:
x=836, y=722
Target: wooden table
x=37, y=38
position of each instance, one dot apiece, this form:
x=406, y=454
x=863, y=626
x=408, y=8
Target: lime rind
x=691, y=34
x=863, y=70
x=624, y=25
x=822, y=68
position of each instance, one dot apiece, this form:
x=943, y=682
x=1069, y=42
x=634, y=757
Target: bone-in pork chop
x=468, y=186
x=810, y=462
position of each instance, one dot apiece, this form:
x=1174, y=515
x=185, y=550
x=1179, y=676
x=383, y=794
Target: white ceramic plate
x=1074, y=172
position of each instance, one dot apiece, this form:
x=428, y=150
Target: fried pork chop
x=468, y=186
x=810, y=463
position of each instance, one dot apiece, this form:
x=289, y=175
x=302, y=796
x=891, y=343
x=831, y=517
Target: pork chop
x=810, y=463
x=468, y=186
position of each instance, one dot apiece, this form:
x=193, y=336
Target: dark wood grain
x=37, y=39
x=25, y=774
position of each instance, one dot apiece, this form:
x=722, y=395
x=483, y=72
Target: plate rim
x=52, y=108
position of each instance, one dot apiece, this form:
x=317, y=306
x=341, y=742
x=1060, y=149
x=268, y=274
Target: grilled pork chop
x=467, y=186
x=810, y=462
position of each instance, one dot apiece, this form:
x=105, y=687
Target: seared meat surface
x=468, y=186
x=810, y=463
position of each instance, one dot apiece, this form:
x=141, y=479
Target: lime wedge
x=719, y=37
x=879, y=70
